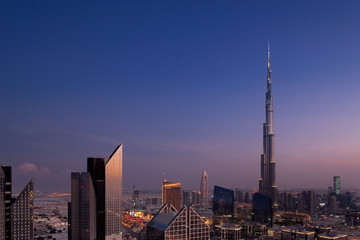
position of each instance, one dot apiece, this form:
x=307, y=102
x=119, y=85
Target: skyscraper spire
x=267, y=181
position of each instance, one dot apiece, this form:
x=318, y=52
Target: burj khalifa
x=267, y=181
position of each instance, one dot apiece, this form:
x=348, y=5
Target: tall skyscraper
x=204, y=189
x=106, y=176
x=267, y=181
x=171, y=193
x=2, y=204
x=337, y=185
x=22, y=214
x=16, y=214
x=83, y=207
x=223, y=205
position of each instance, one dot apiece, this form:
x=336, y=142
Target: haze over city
x=182, y=87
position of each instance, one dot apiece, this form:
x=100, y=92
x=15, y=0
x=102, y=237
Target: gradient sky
x=182, y=85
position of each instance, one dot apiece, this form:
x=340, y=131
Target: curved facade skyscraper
x=267, y=181
x=204, y=189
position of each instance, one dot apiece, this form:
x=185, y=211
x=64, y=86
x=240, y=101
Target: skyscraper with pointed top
x=267, y=181
x=204, y=189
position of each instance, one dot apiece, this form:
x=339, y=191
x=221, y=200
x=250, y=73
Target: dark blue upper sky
x=182, y=85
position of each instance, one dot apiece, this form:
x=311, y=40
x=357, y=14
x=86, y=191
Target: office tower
x=7, y=195
x=22, y=213
x=136, y=198
x=204, y=189
x=171, y=193
x=96, y=168
x=186, y=198
x=2, y=204
x=17, y=221
x=195, y=197
x=223, y=205
x=106, y=176
x=307, y=203
x=169, y=223
x=239, y=197
x=337, y=185
x=267, y=182
x=262, y=209
x=113, y=195
x=247, y=197
x=83, y=207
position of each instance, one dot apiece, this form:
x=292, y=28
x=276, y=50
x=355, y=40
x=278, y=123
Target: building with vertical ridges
x=267, y=181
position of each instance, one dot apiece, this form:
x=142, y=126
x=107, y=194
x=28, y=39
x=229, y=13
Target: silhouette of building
x=186, y=198
x=83, y=207
x=262, y=210
x=239, y=197
x=195, y=197
x=267, y=181
x=204, y=189
x=106, y=176
x=169, y=223
x=171, y=194
x=17, y=214
x=223, y=205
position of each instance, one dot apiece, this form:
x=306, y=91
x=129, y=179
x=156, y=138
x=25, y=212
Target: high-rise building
x=22, y=214
x=307, y=202
x=195, y=197
x=83, y=207
x=16, y=217
x=262, y=209
x=223, y=205
x=106, y=176
x=170, y=223
x=337, y=185
x=267, y=181
x=186, y=198
x=171, y=194
x=2, y=204
x=204, y=189
x=239, y=197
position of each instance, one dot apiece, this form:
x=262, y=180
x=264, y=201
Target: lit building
x=204, y=189
x=83, y=207
x=171, y=194
x=195, y=197
x=106, y=176
x=2, y=204
x=169, y=223
x=297, y=234
x=228, y=231
x=267, y=181
x=17, y=214
x=332, y=236
x=223, y=205
x=337, y=185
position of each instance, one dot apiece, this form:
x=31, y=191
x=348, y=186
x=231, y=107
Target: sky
x=181, y=84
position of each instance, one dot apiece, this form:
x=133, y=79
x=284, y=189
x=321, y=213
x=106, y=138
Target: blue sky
x=182, y=86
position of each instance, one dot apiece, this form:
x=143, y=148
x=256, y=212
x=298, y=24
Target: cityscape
x=157, y=120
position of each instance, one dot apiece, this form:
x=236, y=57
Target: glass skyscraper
x=337, y=185
x=223, y=205
x=83, y=207
x=106, y=176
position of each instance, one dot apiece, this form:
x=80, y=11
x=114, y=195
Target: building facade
x=169, y=223
x=83, y=207
x=171, y=194
x=106, y=177
x=223, y=205
x=16, y=214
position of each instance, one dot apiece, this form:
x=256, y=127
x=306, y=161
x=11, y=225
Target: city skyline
x=180, y=85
